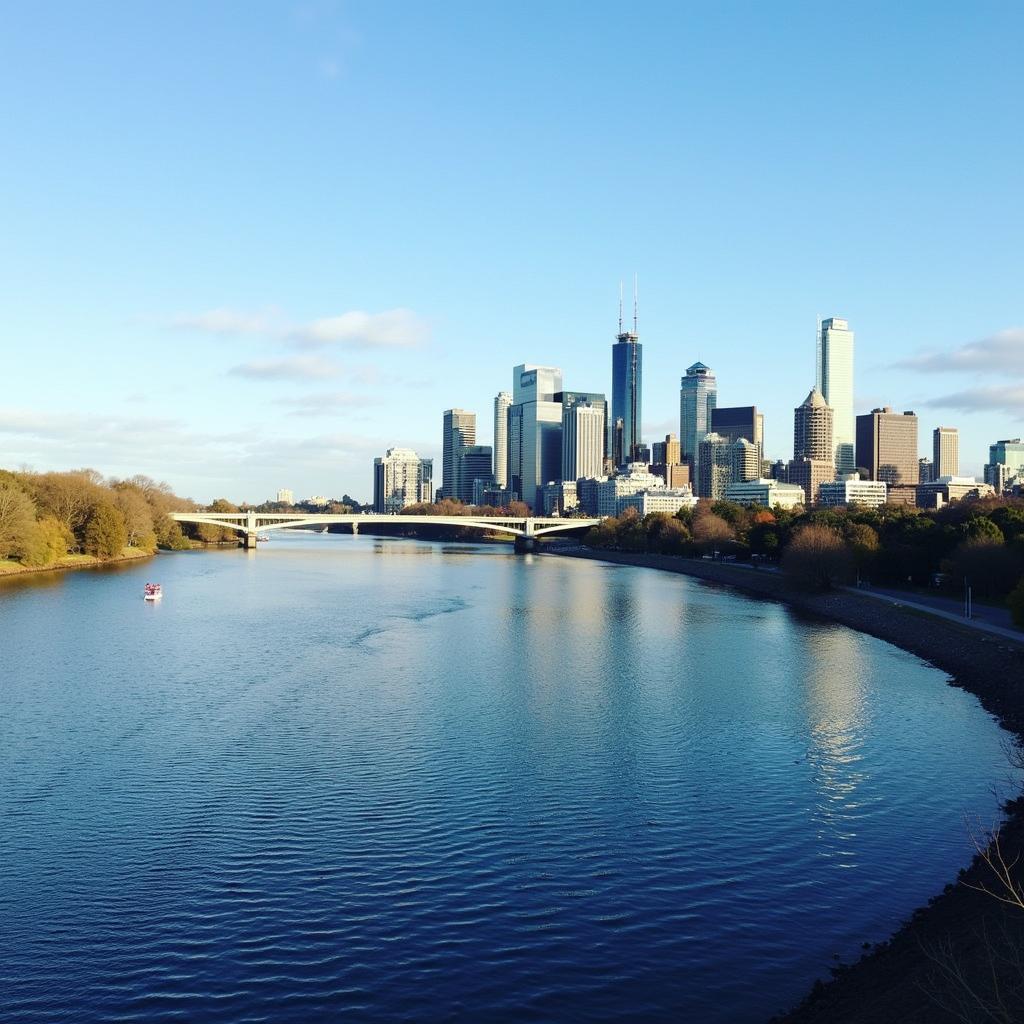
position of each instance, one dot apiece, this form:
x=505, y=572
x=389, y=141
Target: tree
x=49, y=541
x=988, y=565
x=817, y=558
x=105, y=532
x=138, y=518
x=863, y=542
x=711, y=531
x=17, y=519
x=982, y=528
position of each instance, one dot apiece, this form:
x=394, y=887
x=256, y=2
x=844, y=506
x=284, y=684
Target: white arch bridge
x=251, y=524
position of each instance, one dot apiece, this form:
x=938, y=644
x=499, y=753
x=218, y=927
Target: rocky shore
x=960, y=958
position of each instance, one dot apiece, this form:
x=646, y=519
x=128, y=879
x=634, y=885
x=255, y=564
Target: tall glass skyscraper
x=698, y=396
x=627, y=387
x=459, y=432
x=835, y=382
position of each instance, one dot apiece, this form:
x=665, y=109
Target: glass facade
x=627, y=383
x=698, y=397
x=835, y=382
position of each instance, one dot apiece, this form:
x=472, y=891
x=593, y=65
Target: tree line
x=977, y=540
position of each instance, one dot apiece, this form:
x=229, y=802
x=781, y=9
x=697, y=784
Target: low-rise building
x=850, y=489
x=767, y=492
x=637, y=478
x=559, y=497
x=950, y=488
x=663, y=499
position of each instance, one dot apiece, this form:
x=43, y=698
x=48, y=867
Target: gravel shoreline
x=899, y=980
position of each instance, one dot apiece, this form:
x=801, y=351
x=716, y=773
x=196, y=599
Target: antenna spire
x=635, y=304
x=620, y=307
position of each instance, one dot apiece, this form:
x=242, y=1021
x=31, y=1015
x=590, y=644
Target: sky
x=250, y=246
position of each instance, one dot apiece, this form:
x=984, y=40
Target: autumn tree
x=17, y=519
x=817, y=558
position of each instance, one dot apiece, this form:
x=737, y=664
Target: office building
x=583, y=440
x=496, y=497
x=746, y=461
x=835, y=382
x=714, y=466
x=698, y=396
x=850, y=489
x=945, y=452
x=559, y=498
x=472, y=463
x=946, y=489
x=765, y=491
x=810, y=474
x=535, y=431
x=502, y=402
x=401, y=478
x=887, y=446
x=677, y=475
x=812, y=429
x=666, y=500
x=627, y=385
x=285, y=496
x=1005, y=466
x=925, y=471
x=459, y=432
x=667, y=452
x=734, y=422
x=636, y=478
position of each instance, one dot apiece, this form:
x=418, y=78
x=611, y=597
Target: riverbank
x=965, y=949
x=10, y=569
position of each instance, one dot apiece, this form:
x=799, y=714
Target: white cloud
x=1000, y=353
x=324, y=403
x=1008, y=398
x=290, y=368
x=230, y=322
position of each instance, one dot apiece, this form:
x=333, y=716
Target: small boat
x=262, y=537
x=153, y=592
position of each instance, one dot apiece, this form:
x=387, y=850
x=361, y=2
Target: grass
x=12, y=568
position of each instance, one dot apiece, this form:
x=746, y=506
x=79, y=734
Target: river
x=347, y=778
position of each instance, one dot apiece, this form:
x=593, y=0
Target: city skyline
x=250, y=316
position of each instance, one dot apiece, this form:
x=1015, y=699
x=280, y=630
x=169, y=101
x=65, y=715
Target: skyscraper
x=583, y=438
x=501, y=406
x=535, y=431
x=739, y=421
x=945, y=452
x=835, y=382
x=714, y=466
x=887, y=446
x=1005, y=465
x=459, y=432
x=598, y=401
x=698, y=396
x=627, y=383
x=472, y=463
x=812, y=429
x=401, y=478
x=746, y=461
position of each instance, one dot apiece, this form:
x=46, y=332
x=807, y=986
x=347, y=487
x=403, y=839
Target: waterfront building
x=1005, y=466
x=887, y=446
x=812, y=429
x=472, y=463
x=286, y=496
x=502, y=402
x=810, y=474
x=636, y=477
x=714, y=466
x=664, y=499
x=627, y=385
x=746, y=461
x=925, y=471
x=459, y=432
x=850, y=489
x=535, y=431
x=945, y=452
x=401, y=478
x=583, y=435
x=698, y=397
x=946, y=489
x=559, y=497
x=835, y=382
x=736, y=421
x=765, y=491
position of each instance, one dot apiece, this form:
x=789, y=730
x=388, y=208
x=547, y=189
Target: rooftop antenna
x=620, y=307
x=635, y=304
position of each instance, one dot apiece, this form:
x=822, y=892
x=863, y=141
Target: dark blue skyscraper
x=627, y=376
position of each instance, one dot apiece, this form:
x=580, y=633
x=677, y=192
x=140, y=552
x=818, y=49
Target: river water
x=362, y=779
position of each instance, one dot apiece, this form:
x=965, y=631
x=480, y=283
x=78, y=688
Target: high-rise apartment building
x=714, y=466
x=698, y=396
x=502, y=402
x=887, y=446
x=739, y=421
x=598, y=401
x=459, y=432
x=583, y=440
x=746, y=461
x=812, y=429
x=535, y=431
x=401, y=478
x=835, y=382
x=945, y=452
x=627, y=385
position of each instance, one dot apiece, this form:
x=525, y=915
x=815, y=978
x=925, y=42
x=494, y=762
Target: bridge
x=251, y=524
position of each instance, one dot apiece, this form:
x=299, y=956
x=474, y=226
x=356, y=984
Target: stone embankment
x=960, y=958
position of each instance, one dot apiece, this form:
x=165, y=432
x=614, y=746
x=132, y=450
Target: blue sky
x=248, y=246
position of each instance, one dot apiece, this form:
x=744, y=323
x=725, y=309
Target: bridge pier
x=524, y=545
x=249, y=540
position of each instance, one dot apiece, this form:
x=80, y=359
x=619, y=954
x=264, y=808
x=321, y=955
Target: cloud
x=291, y=368
x=356, y=329
x=1002, y=353
x=1006, y=398
x=324, y=403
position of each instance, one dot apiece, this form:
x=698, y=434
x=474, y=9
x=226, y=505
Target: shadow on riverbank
x=960, y=958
